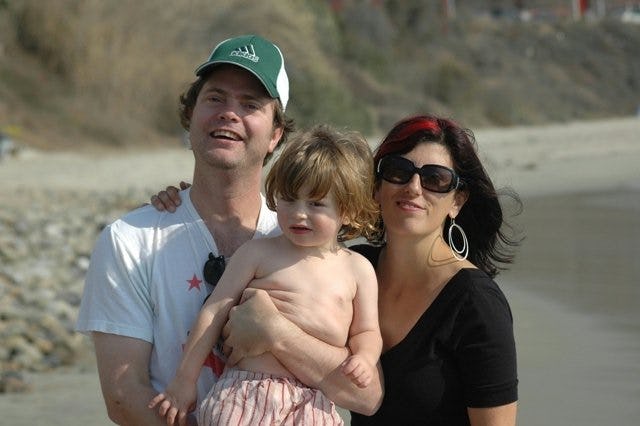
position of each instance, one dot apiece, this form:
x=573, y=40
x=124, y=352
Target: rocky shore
x=46, y=238
x=52, y=207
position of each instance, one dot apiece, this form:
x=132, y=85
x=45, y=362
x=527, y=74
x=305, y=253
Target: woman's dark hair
x=190, y=96
x=491, y=239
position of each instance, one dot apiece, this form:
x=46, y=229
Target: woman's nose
x=414, y=184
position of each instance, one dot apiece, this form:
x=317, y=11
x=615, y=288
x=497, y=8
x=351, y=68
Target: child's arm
x=180, y=395
x=365, y=341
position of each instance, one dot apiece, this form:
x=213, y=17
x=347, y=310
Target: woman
x=448, y=348
x=449, y=353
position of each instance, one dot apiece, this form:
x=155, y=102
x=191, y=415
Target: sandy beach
x=573, y=290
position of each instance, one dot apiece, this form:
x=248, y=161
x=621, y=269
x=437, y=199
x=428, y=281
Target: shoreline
x=534, y=160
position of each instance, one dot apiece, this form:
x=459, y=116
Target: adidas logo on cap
x=247, y=52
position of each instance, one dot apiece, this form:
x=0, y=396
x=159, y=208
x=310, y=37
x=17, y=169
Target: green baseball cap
x=257, y=55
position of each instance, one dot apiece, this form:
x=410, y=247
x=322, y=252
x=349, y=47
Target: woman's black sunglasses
x=433, y=177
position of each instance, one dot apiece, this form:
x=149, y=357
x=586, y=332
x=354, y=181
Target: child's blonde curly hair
x=327, y=159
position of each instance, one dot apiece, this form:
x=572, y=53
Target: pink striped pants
x=247, y=398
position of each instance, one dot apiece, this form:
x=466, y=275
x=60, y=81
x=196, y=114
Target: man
x=146, y=284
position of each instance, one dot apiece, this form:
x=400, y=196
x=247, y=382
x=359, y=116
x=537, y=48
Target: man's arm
x=255, y=326
x=123, y=367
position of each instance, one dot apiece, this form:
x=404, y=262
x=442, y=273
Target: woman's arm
x=255, y=326
x=487, y=356
x=504, y=415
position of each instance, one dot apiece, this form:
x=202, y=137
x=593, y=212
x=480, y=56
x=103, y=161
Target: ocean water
x=575, y=295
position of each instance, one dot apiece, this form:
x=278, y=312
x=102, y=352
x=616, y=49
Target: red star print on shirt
x=214, y=363
x=194, y=283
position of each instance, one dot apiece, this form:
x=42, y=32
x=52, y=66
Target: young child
x=321, y=188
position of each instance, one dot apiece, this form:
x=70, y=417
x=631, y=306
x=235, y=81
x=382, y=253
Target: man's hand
x=253, y=326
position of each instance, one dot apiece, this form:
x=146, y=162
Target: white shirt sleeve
x=116, y=297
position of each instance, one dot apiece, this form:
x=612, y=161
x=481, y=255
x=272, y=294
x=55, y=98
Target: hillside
x=75, y=73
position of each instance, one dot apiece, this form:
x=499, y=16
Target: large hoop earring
x=458, y=253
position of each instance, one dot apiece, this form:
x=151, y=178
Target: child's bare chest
x=317, y=296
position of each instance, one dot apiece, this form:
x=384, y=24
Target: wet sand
x=575, y=298
x=573, y=289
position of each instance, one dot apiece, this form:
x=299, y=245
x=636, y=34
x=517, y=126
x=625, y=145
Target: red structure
x=583, y=6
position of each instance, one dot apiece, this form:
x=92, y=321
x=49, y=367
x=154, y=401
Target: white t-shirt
x=145, y=281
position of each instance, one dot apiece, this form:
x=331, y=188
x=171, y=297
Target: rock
x=46, y=238
x=13, y=382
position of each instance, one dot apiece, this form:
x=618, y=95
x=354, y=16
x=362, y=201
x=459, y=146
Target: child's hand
x=169, y=199
x=359, y=370
x=175, y=406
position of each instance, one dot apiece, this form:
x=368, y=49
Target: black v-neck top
x=461, y=353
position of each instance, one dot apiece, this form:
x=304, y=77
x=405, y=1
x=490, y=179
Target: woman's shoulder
x=473, y=279
x=479, y=289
